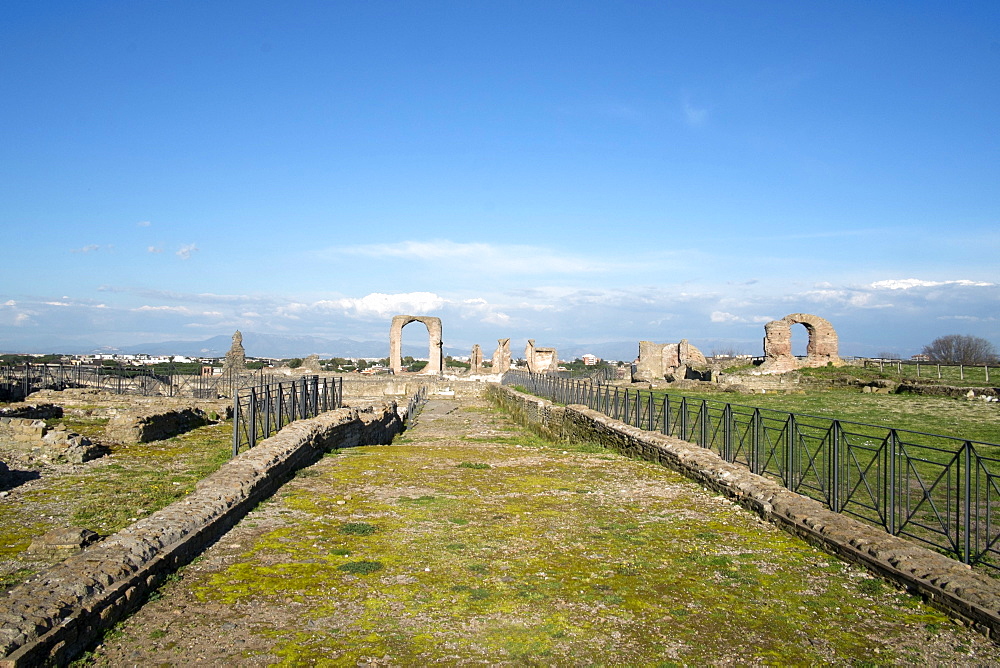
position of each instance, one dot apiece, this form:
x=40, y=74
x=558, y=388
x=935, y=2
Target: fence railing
x=970, y=373
x=939, y=490
x=17, y=382
x=259, y=412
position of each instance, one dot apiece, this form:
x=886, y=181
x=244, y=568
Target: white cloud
x=185, y=251
x=382, y=305
x=90, y=248
x=909, y=283
x=143, y=223
x=154, y=249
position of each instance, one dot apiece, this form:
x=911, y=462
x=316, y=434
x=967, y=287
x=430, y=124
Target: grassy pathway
x=472, y=542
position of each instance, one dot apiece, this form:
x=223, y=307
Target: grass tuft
x=360, y=567
x=358, y=529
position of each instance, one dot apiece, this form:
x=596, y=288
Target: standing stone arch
x=435, y=364
x=821, y=350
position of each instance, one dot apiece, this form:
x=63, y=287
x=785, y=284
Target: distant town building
x=590, y=360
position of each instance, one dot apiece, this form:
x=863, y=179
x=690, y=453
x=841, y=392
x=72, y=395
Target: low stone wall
x=948, y=390
x=951, y=586
x=54, y=616
x=406, y=385
x=151, y=424
x=93, y=401
x=24, y=428
x=32, y=411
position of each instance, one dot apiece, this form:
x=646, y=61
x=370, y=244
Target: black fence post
x=834, y=464
x=890, y=453
x=727, y=432
x=966, y=525
x=789, y=453
x=236, y=424
x=755, y=426
x=704, y=436
x=252, y=420
x=281, y=407
x=666, y=414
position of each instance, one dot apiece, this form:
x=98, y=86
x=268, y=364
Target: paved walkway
x=471, y=542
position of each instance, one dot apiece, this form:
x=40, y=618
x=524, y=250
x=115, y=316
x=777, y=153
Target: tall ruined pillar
x=501, y=356
x=476, y=360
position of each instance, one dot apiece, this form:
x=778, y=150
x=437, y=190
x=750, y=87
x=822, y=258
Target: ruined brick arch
x=435, y=364
x=821, y=350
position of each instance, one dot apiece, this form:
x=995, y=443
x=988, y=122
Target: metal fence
x=17, y=382
x=938, y=490
x=261, y=411
x=597, y=374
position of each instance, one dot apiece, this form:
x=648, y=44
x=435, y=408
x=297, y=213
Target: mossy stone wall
x=54, y=616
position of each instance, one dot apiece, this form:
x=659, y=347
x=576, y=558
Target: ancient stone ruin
x=311, y=364
x=24, y=429
x=668, y=361
x=435, y=364
x=476, y=360
x=152, y=423
x=822, y=349
x=540, y=360
x=236, y=358
x=501, y=356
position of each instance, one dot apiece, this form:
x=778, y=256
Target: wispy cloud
x=910, y=283
x=723, y=317
x=185, y=251
x=200, y=297
x=481, y=257
x=153, y=249
x=91, y=248
x=967, y=318
x=693, y=115
x=143, y=223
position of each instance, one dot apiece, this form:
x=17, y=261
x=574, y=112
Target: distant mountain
x=279, y=346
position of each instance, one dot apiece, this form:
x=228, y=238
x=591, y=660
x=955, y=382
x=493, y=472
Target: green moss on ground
x=108, y=494
x=552, y=555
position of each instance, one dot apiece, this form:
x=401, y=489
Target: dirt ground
x=472, y=542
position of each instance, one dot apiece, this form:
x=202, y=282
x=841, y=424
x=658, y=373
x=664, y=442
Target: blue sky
x=572, y=172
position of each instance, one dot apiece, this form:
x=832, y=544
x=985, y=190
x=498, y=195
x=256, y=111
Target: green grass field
x=959, y=418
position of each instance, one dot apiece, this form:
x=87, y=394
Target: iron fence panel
x=938, y=490
x=263, y=410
